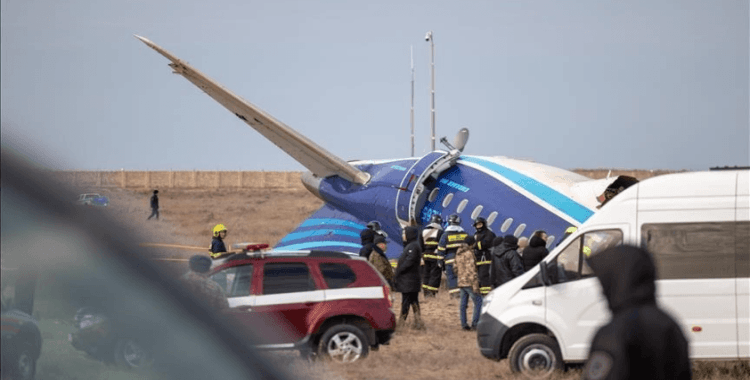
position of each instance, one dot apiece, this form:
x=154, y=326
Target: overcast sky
x=574, y=84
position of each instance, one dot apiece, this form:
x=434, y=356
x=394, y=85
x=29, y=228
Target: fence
x=180, y=179
x=239, y=179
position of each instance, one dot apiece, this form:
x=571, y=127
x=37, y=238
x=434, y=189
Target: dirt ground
x=441, y=351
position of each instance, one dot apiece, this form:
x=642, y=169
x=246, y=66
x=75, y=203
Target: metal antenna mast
x=412, y=100
x=430, y=38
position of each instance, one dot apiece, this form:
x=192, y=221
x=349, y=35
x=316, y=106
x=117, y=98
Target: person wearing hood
x=367, y=235
x=641, y=341
x=468, y=282
x=378, y=259
x=536, y=250
x=506, y=263
x=407, y=278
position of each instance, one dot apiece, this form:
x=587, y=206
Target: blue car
x=93, y=199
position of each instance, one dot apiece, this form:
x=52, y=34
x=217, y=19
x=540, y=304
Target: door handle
x=536, y=302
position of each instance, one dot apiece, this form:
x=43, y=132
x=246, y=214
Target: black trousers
x=154, y=212
x=409, y=299
x=431, y=275
x=483, y=272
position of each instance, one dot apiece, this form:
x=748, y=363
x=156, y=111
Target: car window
x=337, y=275
x=235, y=281
x=281, y=278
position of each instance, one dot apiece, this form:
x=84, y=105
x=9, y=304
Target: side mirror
x=543, y=273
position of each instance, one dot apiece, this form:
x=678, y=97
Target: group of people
x=473, y=264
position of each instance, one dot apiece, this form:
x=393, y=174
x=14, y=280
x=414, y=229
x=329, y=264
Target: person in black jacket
x=367, y=235
x=483, y=237
x=407, y=278
x=641, y=341
x=154, y=206
x=535, y=251
x=506, y=263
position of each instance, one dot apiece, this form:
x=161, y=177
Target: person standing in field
x=378, y=259
x=483, y=237
x=406, y=277
x=641, y=341
x=201, y=286
x=468, y=282
x=433, y=262
x=218, y=248
x=367, y=235
x=154, y=205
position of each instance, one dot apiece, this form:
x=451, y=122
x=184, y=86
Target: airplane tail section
x=314, y=157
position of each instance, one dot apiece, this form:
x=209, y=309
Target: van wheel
x=344, y=344
x=535, y=355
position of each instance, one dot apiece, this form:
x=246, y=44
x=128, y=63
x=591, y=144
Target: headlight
x=486, y=301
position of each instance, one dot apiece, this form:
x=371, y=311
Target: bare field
x=442, y=351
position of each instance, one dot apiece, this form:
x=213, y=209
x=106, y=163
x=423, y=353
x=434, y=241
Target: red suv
x=318, y=302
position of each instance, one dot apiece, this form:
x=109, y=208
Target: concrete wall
x=180, y=179
x=241, y=179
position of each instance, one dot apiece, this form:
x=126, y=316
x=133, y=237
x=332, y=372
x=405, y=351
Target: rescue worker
x=154, y=206
x=483, y=237
x=375, y=226
x=468, y=282
x=218, y=249
x=406, y=277
x=451, y=240
x=569, y=231
x=641, y=341
x=367, y=235
x=201, y=286
x=433, y=263
x=378, y=259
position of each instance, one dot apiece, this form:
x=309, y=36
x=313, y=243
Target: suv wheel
x=344, y=344
x=24, y=363
x=535, y=355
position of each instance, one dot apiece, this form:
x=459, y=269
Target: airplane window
x=462, y=206
x=447, y=200
x=433, y=194
x=519, y=230
x=477, y=210
x=506, y=224
x=491, y=218
x=550, y=240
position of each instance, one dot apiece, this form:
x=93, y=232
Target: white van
x=697, y=227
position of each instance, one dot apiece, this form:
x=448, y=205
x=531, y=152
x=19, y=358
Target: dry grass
x=442, y=351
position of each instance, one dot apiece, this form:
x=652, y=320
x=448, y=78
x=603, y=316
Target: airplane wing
x=332, y=229
x=314, y=157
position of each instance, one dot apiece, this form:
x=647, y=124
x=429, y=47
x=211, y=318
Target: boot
x=418, y=323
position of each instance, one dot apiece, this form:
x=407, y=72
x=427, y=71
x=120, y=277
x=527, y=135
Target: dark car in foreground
x=21, y=344
x=328, y=304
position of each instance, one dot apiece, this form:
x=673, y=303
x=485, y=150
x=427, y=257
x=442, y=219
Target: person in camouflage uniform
x=379, y=260
x=203, y=288
x=468, y=282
